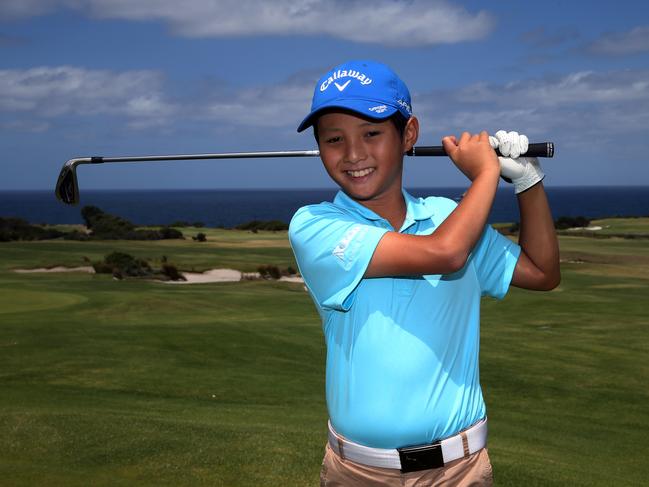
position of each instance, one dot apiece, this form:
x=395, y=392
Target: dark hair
x=397, y=119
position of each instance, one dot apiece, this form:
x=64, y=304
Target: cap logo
x=378, y=109
x=344, y=73
x=405, y=105
x=343, y=86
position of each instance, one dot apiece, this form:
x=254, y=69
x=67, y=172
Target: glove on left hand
x=523, y=172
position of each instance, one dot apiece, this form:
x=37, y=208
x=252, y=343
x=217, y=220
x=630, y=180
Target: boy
x=397, y=281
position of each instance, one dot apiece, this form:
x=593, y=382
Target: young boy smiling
x=397, y=281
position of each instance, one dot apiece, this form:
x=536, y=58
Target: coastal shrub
x=169, y=233
x=183, y=223
x=171, y=271
x=565, y=222
x=90, y=214
x=121, y=264
x=111, y=227
x=270, y=225
x=19, y=229
x=269, y=271
x=105, y=225
x=200, y=237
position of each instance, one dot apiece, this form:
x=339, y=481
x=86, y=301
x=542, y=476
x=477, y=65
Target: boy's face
x=364, y=157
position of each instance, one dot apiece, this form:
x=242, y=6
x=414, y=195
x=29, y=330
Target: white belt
x=414, y=458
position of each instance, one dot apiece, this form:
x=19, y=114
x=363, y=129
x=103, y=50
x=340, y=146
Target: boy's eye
x=333, y=140
x=373, y=133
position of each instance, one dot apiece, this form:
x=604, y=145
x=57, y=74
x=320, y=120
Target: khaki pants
x=474, y=470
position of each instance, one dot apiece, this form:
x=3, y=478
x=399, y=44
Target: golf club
x=67, y=186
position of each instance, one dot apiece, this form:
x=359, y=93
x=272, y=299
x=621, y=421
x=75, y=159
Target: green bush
x=18, y=229
x=172, y=272
x=110, y=227
x=183, y=223
x=104, y=225
x=169, y=233
x=269, y=271
x=200, y=237
x=121, y=264
x=565, y=222
x=271, y=225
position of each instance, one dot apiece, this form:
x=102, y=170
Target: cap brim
x=365, y=108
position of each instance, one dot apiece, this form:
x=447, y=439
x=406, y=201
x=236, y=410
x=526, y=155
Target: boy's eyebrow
x=362, y=124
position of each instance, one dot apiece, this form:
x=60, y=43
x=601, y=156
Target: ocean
x=217, y=207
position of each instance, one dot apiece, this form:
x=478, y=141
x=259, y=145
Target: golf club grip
x=539, y=149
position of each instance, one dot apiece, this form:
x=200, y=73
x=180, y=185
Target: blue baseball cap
x=368, y=88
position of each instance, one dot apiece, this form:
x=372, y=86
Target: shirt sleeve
x=332, y=251
x=495, y=258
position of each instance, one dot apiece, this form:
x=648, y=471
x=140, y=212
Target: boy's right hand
x=472, y=154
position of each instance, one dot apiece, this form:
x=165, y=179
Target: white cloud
x=579, y=110
x=633, y=41
x=388, y=22
x=583, y=109
x=32, y=126
x=15, y=9
x=48, y=92
x=579, y=87
x=281, y=105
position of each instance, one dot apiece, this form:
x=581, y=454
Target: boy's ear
x=410, y=134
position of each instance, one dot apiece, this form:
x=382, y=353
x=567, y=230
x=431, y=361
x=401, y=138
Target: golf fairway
x=106, y=382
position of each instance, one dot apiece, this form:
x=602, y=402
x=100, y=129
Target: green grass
x=225, y=248
x=107, y=382
x=623, y=225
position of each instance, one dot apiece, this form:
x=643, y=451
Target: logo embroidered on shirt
x=339, y=250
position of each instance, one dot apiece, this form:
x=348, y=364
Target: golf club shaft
x=542, y=149
x=67, y=186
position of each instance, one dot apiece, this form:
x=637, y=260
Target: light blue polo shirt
x=402, y=352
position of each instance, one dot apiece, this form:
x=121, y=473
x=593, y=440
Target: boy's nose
x=355, y=152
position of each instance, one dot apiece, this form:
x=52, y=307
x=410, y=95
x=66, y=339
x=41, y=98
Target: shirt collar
x=416, y=208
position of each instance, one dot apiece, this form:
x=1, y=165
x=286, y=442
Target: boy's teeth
x=361, y=173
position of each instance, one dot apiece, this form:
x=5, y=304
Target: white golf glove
x=523, y=172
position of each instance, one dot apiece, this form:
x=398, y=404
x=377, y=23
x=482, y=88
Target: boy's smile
x=364, y=157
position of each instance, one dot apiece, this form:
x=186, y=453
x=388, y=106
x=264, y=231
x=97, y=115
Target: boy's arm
x=538, y=265
x=447, y=249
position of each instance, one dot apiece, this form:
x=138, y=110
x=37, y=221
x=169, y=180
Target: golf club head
x=67, y=187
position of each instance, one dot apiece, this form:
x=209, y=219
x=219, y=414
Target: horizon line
x=315, y=188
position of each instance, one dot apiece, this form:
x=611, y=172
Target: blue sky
x=121, y=77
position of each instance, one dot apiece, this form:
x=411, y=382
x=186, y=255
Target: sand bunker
x=224, y=275
x=590, y=229
x=213, y=275
x=88, y=269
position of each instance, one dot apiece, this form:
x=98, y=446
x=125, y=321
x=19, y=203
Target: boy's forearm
x=537, y=236
x=445, y=250
x=463, y=227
